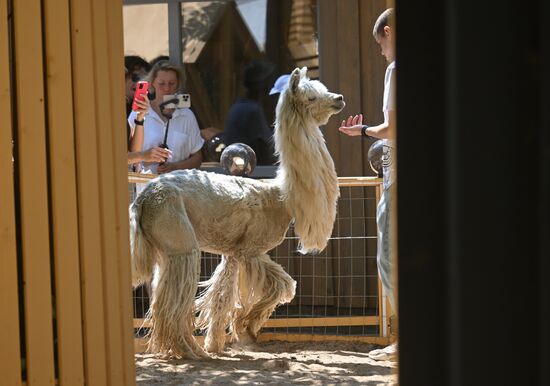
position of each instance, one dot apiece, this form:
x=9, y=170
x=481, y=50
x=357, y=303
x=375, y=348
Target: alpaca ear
x=294, y=80
x=303, y=72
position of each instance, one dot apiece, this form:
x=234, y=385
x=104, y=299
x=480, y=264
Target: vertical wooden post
x=32, y=165
x=63, y=192
x=119, y=149
x=90, y=239
x=10, y=355
x=63, y=199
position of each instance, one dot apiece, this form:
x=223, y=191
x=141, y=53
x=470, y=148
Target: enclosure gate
x=339, y=296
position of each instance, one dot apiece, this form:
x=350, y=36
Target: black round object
x=374, y=155
x=238, y=159
x=213, y=149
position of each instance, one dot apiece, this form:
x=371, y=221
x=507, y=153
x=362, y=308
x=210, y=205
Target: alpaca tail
x=263, y=285
x=142, y=251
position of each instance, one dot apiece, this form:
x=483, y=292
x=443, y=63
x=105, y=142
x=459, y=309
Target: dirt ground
x=275, y=363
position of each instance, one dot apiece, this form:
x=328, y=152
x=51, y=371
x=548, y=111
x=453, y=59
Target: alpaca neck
x=308, y=180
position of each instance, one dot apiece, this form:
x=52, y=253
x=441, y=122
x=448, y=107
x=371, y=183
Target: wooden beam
x=89, y=226
x=302, y=322
x=342, y=181
x=119, y=150
x=10, y=354
x=32, y=164
x=175, y=22
x=103, y=101
x=63, y=194
x=271, y=336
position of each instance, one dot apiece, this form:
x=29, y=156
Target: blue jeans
x=383, y=257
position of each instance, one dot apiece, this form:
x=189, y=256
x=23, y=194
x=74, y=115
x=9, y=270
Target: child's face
x=386, y=44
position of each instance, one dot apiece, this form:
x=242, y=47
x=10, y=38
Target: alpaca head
x=311, y=98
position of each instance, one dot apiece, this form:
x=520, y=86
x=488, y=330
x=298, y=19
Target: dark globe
x=213, y=149
x=238, y=159
x=374, y=155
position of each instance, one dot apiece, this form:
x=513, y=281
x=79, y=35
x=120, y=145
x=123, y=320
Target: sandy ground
x=275, y=363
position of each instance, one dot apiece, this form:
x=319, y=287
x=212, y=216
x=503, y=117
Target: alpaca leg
x=269, y=285
x=217, y=302
x=175, y=281
x=239, y=325
x=172, y=306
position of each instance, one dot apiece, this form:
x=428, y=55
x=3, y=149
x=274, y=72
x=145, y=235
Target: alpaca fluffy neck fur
x=306, y=174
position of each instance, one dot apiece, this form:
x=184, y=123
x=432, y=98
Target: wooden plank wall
x=10, y=356
x=350, y=63
x=65, y=273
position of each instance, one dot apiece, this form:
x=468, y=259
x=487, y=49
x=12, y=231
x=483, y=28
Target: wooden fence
x=64, y=260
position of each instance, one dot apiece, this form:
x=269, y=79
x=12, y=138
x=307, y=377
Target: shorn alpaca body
x=181, y=213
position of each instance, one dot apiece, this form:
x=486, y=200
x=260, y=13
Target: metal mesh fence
x=337, y=290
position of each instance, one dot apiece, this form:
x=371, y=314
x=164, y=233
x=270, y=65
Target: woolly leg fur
x=176, y=278
x=217, y=303
x=172, y=307
x=263, y=284
x=142, y=252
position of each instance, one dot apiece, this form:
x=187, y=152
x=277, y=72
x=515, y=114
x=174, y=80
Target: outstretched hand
x=352, y=125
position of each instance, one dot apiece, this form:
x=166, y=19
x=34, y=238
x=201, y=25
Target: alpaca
x=181, y=213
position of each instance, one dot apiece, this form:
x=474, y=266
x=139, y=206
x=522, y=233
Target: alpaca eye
x=311, y=99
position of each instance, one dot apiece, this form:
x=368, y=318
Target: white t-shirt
x=184, y=137
x=388, y=165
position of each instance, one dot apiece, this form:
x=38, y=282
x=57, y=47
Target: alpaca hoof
x=213, y=346
x=244, y=338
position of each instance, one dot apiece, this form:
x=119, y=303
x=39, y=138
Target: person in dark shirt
x=246, y=122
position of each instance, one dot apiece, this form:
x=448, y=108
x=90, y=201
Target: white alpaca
x=184, y=212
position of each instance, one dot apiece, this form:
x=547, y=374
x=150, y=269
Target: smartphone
x=141, y=89
x=184, y=101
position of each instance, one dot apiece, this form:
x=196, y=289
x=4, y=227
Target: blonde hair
x=165, y=65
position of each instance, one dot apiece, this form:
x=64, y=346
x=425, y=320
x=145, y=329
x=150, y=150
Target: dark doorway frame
x=473, y=244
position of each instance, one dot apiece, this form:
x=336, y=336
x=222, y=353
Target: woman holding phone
x=183, y=139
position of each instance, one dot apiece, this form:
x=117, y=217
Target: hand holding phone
x=141, y=89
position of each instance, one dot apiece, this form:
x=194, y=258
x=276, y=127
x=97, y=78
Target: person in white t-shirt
x=184, y=139
x=383, y=32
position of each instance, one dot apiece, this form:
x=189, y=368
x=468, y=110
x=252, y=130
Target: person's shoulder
x=185, y=113
x=390, y=72
x=248, y=104
x=243, y=107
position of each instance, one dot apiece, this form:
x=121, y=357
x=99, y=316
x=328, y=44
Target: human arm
x=136, y=153
x=194, y=161
x=154, y=154
x=354, y=124
x=136, y=138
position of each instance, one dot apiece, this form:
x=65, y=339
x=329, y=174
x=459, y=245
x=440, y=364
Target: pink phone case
x=141, y=89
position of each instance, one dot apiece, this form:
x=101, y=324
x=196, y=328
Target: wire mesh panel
x=337, y=290
x=341, y=281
